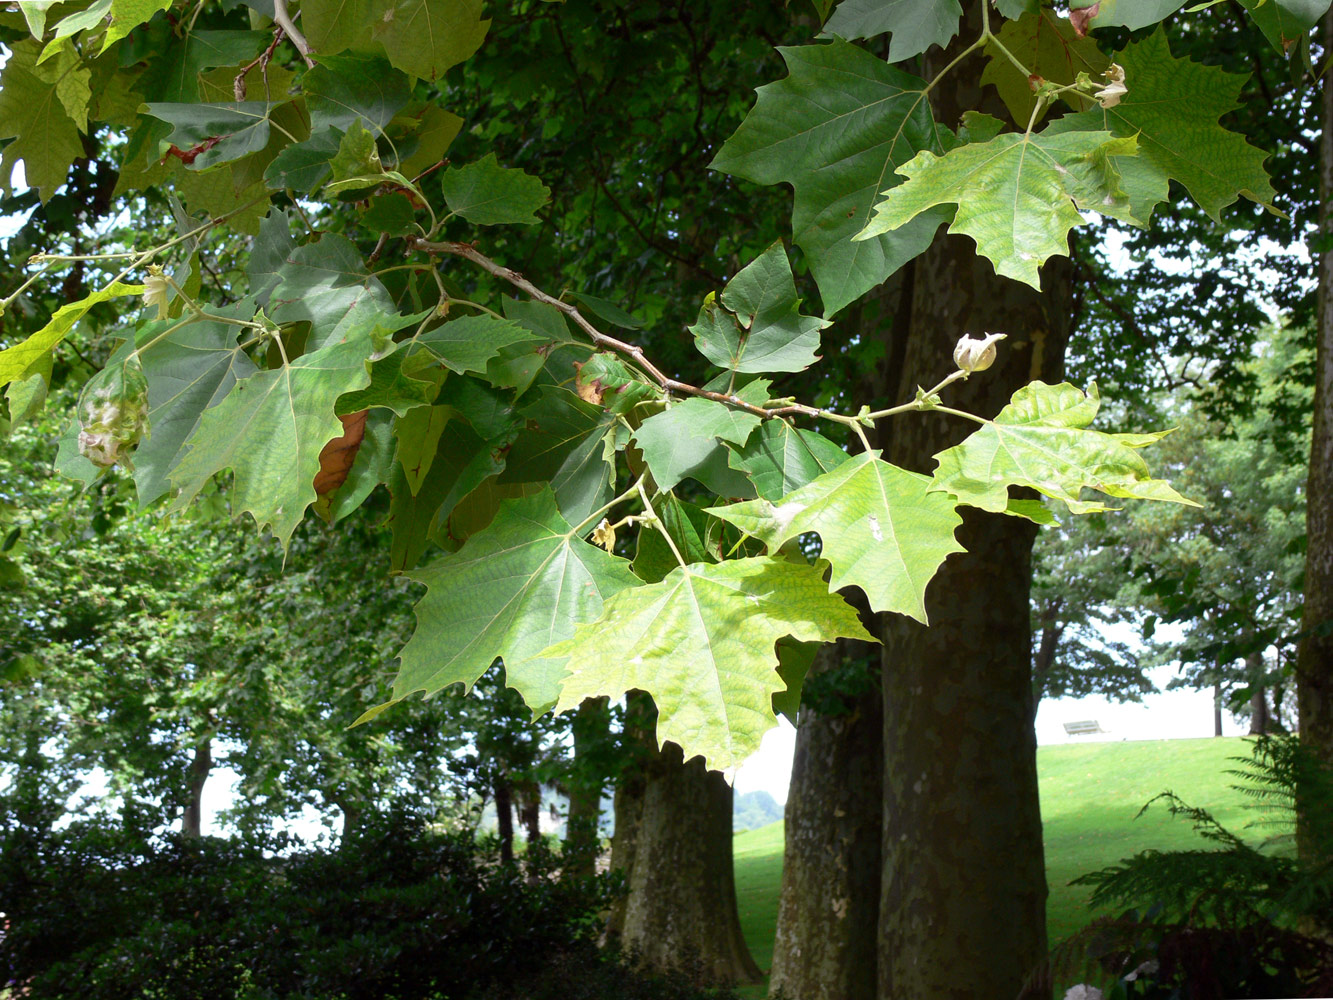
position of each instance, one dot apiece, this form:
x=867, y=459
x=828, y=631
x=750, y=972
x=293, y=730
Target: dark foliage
x=397, y=911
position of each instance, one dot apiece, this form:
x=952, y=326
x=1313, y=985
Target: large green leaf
x=519, y=585
x=569, y=444
x=761, y=328
x=219, y=132
x=487, y=194
x=45, y=137
x=468, y=344
x=17, y=361
x=1047, y=45
x=781, y=458
x=1132, y=14
x=1172, y=108
x=677, y=442
x=331, y=26
x=882, y=528
x=71, y=77
x=701, y=642
x=126, y=15
x=915, y=25
x=1018, y=195
x=835, y=130
x=1041, y=440
x=342, y=89
x=426, y=37
x=1284, y=22
x=187, y=372
x=269, y=431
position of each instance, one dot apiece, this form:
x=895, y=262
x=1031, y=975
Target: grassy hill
x=1090, y=794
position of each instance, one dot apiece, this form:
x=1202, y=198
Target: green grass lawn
x=1090, y=794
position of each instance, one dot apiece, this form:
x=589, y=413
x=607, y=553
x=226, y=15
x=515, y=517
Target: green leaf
x=835, y=130
x=331, y=26
x=781, y=458
x=607, y=311
x=398, y=382
x=762, y=329
x=468, y=344
x=1284, y=22
x=418, y=434
x=372, y=466
x=426, y=37
x=342, y=89
x=687, y=525
x=487, y=194
x=269, y=431
x=1018, y=195
x=71, y=79
x=221, y=132
x=391, y=213
x=916, y=25
x=356, y=156
x=1132, y=14
x=1040, y=440
x=1048, y=46
x=701, y=642
x=188, y=372
x=677, y=442
x=303, y=166
x=516, y=587
x=883, y=529
x=435, y=131
x=794, y=662
x=1172, y=108
x=126, y=15
x=45, y=137
x=21, y=359
x=569, y=444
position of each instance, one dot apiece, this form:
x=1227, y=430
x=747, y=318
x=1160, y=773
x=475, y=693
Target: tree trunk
x=963, y=890
x=529, y=795
x=1217, y=709
x=826, y=940
x=1044, y=660
x=675, y=849
x=1259, y=721
x=1314, y=658
x=504, y=818
x=201, y=765
x=590, y=727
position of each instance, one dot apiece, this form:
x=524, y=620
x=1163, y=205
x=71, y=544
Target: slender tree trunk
x=963, y=890
x=1217, y=709
x=680, y=911
x=1259, y=721
x=1314, y=658
x=201, y=765
x=1043, y=662
x=529, y=795
x=825, y=946
x=591, y=728
x=504, y=817
x=351, y=817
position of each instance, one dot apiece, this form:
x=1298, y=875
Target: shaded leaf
x=426, y=37
x=569, y=444
x=678, y=441
x=468, y=344
x=781, y=458
x=1046, y=44
x=487, y=194
x=45, y=138
x=915, y=25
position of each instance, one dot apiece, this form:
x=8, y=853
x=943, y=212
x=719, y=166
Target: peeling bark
x=826, y=936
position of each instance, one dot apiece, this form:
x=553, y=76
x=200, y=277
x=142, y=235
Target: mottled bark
x=590, y=728
x=963, y=889
x=826, y=936
x=504, y=817
x=201, y=765
x=1314, y=659
x=675, y=850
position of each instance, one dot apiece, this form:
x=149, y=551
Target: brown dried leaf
x=335, y=460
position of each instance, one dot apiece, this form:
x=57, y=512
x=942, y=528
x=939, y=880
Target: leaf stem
x=915, y=404
x=656, y=521
x=600, y=512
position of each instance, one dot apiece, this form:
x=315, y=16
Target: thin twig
x=284, y=21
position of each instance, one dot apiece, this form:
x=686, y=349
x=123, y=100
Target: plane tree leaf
x=1284, y=22
x=27, y=355
x=1018, y=195
x=1041, y=440
x=760, y=328
x=45, y=137
x=426, y=37
x=681, y=440
x=882, y=529
x=126, y=15
x=914, y=25
x=1046, y=44
x=515, y=588
x=701, y=642
x=487, y=194
x=269, y=430
x=835, y=129
x=1131, y=14
x=782, y=458
x=1172, y=109
x=469, y=343
x=216, y=133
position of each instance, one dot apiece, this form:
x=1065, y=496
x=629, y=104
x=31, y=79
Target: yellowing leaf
x=16, y=361
x=1018, y=195
x=882, y=529
x=701, y=642
x=1041, y=440
x=126, y=15
x=1046, y=44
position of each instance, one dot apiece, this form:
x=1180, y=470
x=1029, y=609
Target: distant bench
x=1083, y=728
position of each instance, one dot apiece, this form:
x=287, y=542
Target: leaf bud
x=113, y=413
x=1109, y=96
x=156, y=290
x=976, y=354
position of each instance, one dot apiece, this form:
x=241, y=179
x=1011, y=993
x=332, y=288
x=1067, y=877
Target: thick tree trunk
x=1314, y=658
x=504, y=818
x=963, y=891
x=590, y=727
x=825, y=946
x=675, y=850
x=201, y=765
